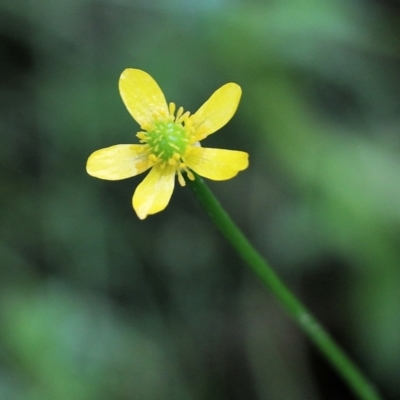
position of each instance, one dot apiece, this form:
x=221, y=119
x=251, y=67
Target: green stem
x=336, y=356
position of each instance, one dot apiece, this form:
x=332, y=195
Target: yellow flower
x=169, y=142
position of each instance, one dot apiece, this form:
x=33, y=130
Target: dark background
x=96, y=304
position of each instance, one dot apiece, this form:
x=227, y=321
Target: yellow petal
x=217, y=110
x=216, y=164
x=118, y=162
x=154, y=193
x=142, y=96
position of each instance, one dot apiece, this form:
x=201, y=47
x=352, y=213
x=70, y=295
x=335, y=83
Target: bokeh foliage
x=95, y=304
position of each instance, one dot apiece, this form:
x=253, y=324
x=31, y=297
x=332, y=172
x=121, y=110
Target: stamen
x=181, y=180
x=183, y=118
x=153, y=158
x=188, y=121
x=146, y=126
x=179, y=114
x=145, y=149
x=172, y=108
x=190, y=174
x=155, y=116
x=141, y=135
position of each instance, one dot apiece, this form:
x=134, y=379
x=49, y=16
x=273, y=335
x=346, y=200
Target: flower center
x=167, y=140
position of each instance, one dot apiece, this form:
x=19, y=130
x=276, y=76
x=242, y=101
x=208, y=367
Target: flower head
x=169, y=142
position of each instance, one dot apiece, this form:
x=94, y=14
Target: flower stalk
x=316, y=333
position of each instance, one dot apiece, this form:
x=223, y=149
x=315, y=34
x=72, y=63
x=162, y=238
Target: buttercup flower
x=169, y=142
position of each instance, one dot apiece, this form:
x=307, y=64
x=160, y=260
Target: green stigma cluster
x=167, y=140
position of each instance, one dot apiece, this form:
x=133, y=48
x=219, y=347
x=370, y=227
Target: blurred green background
x=95, y=304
